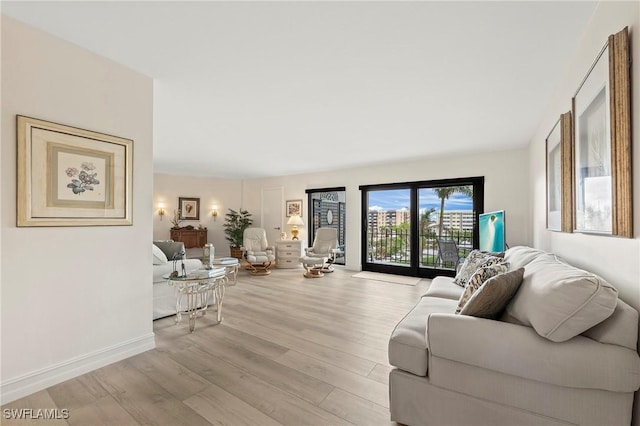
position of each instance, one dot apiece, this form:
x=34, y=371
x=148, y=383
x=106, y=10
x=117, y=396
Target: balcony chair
x=320, y=257
x=448, y=252
x=259, y=255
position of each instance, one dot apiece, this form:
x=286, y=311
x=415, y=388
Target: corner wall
x=77, y=298
x=506, y=188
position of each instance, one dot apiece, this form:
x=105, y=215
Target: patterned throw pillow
x=477, y=279
x=474, y=260
x=490, y=300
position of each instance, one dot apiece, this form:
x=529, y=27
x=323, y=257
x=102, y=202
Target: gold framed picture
x=69, y=176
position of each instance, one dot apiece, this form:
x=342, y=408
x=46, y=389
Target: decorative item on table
x=283, y=235
x=176, y=219
x=179, y=255
x=208, y=254
x=296, y=221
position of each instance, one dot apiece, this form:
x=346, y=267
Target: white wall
x=506, y=188
x=223, y=193
x=616, y=259
x=73, y=299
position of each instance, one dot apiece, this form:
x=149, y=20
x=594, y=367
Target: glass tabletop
x=200, y=274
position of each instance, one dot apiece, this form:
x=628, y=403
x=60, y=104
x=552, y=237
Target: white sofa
x=164, y=295
x=564, y=351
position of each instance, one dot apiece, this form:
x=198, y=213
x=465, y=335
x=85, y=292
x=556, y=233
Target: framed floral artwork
x=69, y=176
x=189, y=208
x=294, y=207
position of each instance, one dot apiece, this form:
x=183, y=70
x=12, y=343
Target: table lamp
x=296, y=221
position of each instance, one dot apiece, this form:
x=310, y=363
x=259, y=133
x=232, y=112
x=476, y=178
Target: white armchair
x=325, y=245
x=257, y=251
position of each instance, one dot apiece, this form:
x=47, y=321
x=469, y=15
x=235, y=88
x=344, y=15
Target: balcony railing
x=392, y=246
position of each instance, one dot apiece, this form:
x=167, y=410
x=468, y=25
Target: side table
x=231, y=266
x=288, y=253
x=198, y=287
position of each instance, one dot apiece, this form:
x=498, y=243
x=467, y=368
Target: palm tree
x=444, y=194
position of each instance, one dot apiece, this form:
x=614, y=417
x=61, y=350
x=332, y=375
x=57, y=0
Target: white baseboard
x=35, y=381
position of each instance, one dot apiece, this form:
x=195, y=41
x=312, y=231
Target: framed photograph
x=602, y=162
x=554, y=179
x=492, y=232
x=559, y=173
x=294, y=207
x=189, y=208
x=72, y=177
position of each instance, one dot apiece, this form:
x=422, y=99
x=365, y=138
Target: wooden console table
x=190, y=237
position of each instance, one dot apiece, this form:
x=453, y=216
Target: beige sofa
x=563, y=352
x=164, y=296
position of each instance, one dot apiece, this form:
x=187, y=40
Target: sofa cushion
x=621, y=328
x=520, y=256
x=158, y=255
x=474, y=260
x=560, y=301
x=444, y=287
x=170, y=248
x=490, y=300
x=408, y=342
x=478, y=278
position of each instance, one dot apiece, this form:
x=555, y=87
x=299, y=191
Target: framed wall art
x=294, y=207
x=189, y=208
x=602, y=135
x=554, y=178
x=69, y=176
x=559, y=176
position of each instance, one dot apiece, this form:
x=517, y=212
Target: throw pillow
x=560, y=301
x=474, y=260
x=490, y=300
x=158, y=256
x=477, y=279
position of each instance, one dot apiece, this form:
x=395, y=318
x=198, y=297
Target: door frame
x=272, y=234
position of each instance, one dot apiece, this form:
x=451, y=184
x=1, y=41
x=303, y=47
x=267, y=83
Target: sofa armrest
x=519, y=351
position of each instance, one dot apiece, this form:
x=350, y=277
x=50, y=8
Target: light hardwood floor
x=290, y=351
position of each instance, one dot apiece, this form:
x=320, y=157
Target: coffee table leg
x=219, y=292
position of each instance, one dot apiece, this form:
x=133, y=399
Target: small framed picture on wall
x=189, y=208
x=294, y=207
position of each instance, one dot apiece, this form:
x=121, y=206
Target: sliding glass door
x=421, y=228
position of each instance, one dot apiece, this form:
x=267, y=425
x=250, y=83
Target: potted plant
x=235, y=222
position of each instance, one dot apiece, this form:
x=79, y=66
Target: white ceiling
x=253, y=89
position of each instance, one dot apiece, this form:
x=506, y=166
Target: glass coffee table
x=231, y=265
x=198, y=288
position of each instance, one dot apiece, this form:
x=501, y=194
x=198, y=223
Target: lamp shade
x=295, y=220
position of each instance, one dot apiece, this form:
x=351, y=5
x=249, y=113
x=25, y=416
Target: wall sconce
x=160, y=210
x=214, y=212
x=296, y=221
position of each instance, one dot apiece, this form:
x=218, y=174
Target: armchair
x=257, y=251
x=325, y=245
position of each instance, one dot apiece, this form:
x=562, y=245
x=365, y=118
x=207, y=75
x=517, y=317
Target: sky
x=397, y=199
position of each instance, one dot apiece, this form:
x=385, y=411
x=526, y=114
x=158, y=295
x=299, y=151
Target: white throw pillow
x=159, y=257
x=560, y=301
